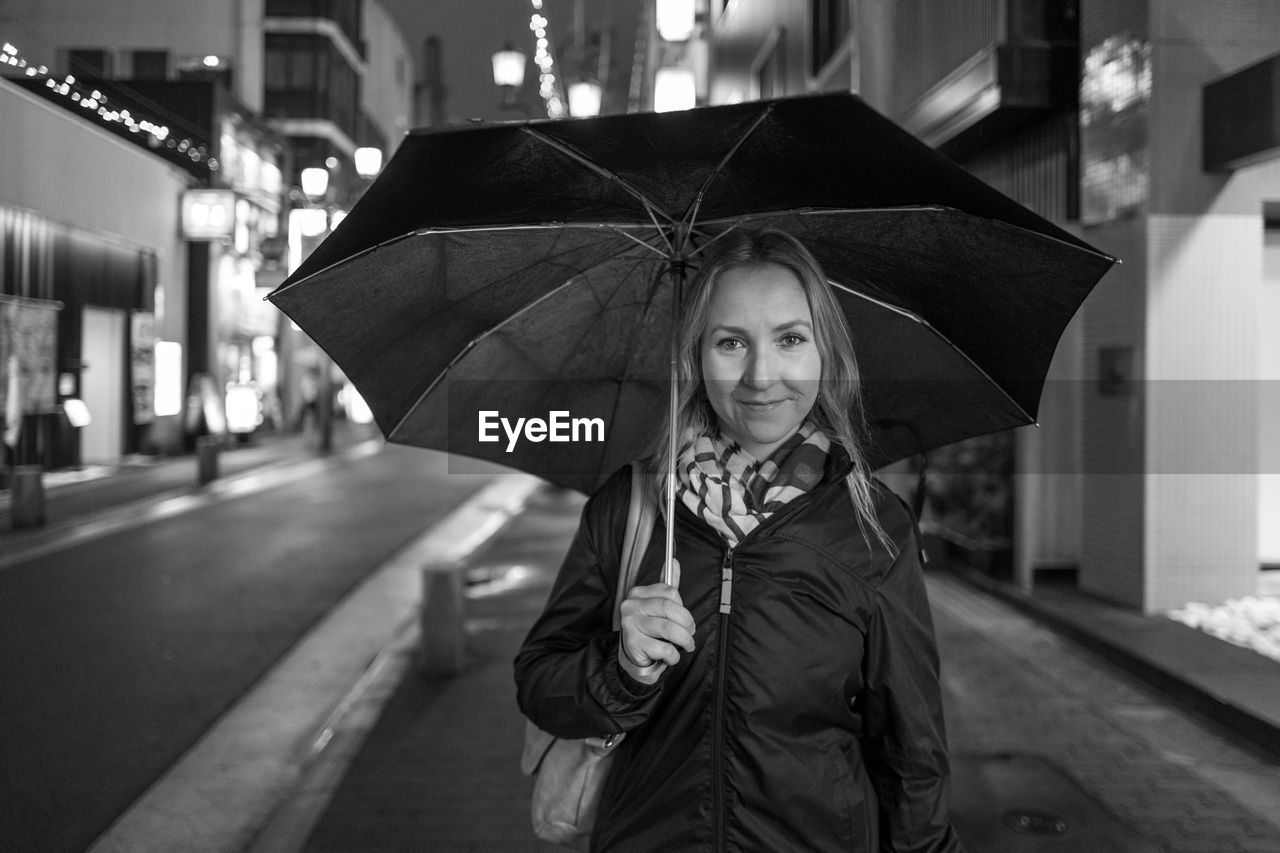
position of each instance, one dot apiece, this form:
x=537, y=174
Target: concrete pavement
x=438, y=767
x=1037, y=722
x=1045, y=736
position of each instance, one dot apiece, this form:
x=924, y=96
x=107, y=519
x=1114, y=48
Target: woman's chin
x=761, y=443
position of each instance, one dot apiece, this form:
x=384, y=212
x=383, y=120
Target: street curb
x=288, y=827
x=1254, y=730
x=224, y=792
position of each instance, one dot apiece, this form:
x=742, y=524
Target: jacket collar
x=839, y=463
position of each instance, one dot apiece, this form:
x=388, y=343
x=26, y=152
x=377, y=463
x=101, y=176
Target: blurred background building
x=1150, y=128
x=153, y=180
x=134, y=256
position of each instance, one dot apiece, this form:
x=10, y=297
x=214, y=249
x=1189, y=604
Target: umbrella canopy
x=519, y=270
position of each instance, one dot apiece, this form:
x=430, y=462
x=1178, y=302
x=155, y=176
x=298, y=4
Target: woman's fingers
x=654, y=590
x=667, y=630
x=655, y=624
x=658, y=611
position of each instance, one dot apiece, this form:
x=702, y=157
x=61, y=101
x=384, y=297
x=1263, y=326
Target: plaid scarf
x=734, y=493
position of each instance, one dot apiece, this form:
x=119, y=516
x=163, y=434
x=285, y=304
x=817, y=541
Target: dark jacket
x=809, y=716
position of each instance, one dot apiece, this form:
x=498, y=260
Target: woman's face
x=760, y=363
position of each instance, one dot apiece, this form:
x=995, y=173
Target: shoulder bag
x=569, y=775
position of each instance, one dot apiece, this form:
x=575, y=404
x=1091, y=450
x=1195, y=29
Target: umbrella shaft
x=677, y=285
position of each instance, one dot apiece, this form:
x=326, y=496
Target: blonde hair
x=837, y=411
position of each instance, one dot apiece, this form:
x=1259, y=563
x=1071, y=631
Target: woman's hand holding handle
x=655, y=626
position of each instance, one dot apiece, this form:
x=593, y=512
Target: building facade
x=249, y=93
x=1152, y=477
x=91, y=252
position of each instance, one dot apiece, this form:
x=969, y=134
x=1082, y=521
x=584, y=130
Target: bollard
x=441, y=640
x=27, y=505
x=207, y=458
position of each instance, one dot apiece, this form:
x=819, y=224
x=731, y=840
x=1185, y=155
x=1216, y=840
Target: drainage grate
x=1033, y=822
x=1018, y=803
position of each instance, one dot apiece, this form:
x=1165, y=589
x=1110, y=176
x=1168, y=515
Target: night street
x=350, y=350
x=109, y=696
x=117, y=653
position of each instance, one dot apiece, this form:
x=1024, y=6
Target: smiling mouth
x=761, y=405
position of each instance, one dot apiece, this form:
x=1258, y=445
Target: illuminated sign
x=208, y=214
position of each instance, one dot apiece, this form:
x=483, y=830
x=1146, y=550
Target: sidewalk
x=436, y=764
x=432, y=762
x=1236, y=688
x=74, y=495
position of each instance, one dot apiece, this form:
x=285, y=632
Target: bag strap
x=640, y=517
x=915, y=518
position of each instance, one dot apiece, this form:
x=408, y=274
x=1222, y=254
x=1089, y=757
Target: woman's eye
x=728, y=343
x=791, y=339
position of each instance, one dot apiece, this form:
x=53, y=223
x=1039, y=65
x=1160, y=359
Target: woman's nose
x=760, y=371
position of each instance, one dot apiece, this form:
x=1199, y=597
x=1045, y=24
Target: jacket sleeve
x=568, y=680
x=906, y=739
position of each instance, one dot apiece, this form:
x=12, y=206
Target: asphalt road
x=116, y=654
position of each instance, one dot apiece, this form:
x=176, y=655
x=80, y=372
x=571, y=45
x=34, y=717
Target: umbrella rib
x=734, y=221
x=615, y=227
x=522, y=226
x=911, y=315
x=573, y=154
x=648, y=246
x=626, y=373
x=618, y=229
x=715, y=173
x=486, y=333
x=649, y=307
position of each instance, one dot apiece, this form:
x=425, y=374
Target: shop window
x=296, y=76
x=89, y=62
x=769, y=78
x=150, y=64
x=344, y=94
x=306, y=76
x=344, y=13
x=769, y=68
x=296, y=69
x=829, y=27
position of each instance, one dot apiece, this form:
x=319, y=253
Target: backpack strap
x=640, y=518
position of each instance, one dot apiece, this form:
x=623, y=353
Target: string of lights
x=547, y=88
x=97, y=105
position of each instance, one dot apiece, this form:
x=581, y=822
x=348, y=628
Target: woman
x=782, y=694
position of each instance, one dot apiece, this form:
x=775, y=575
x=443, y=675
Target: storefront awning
x=1000, y=87
x=1241, y=117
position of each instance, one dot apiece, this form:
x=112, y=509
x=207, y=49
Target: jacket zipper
x=722, y=656
x=717, y=741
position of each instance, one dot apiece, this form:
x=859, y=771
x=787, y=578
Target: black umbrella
x=526, y=269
